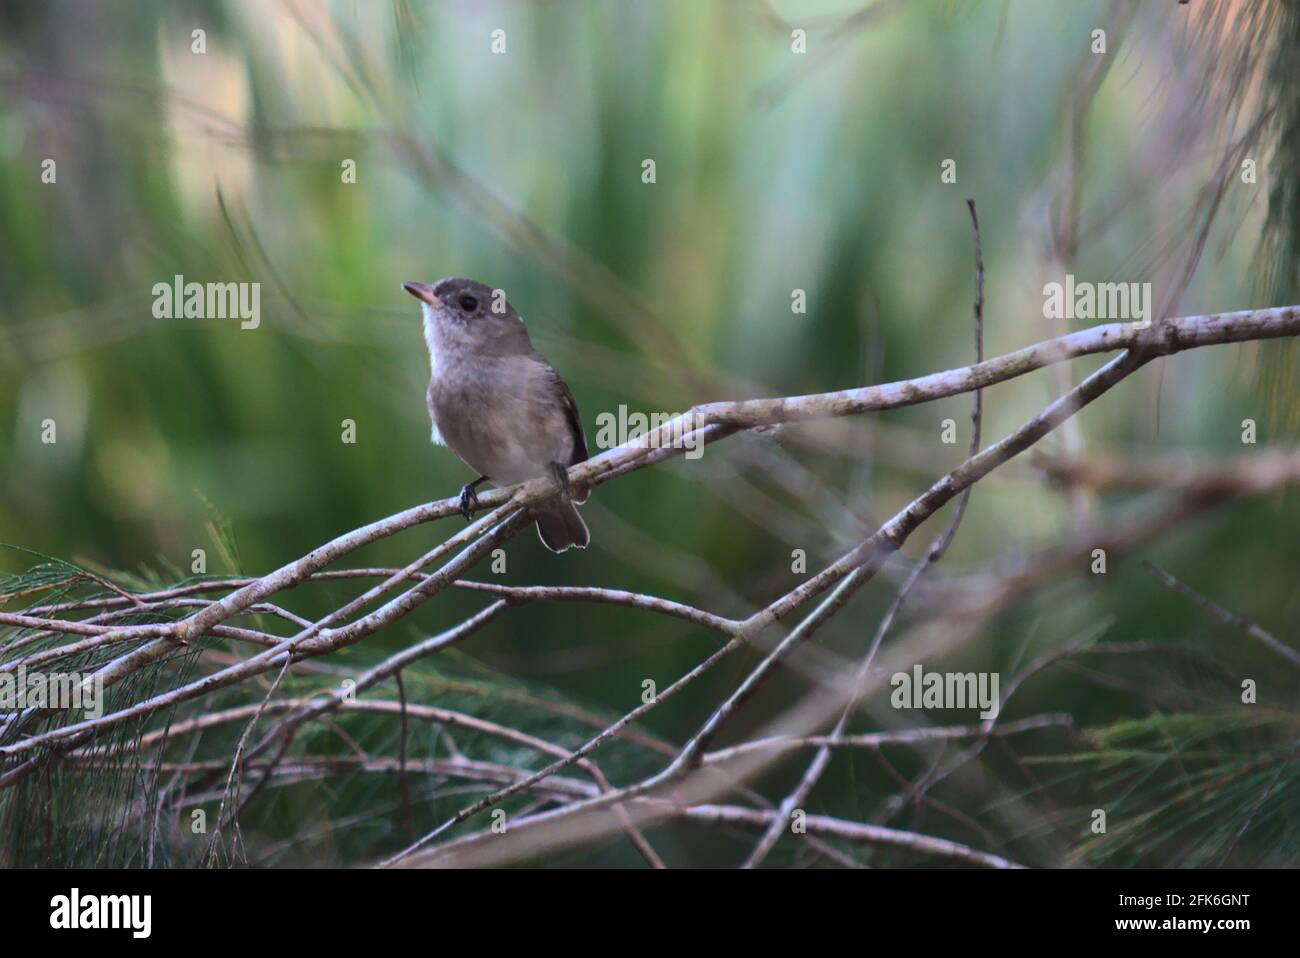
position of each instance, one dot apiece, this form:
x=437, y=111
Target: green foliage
x=776, y=172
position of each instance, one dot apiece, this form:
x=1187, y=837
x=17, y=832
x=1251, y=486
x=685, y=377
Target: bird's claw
x=468, y=501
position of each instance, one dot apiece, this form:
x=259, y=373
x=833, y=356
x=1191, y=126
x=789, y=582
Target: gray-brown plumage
x=499, y=405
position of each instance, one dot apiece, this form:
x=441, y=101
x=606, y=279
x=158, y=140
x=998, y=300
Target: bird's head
x=463, y=302
x=462, y=314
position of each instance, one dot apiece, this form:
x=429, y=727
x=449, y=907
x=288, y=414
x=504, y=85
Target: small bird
x=498, y=404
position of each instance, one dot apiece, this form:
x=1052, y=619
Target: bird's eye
x=468, y=303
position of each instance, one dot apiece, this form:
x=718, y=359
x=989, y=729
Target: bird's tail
x=559, y=526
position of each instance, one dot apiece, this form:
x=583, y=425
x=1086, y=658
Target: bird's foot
x=468, y=500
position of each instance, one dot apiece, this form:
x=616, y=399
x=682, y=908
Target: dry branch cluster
x=574, y=800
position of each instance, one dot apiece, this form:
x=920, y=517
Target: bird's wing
x=574, y=419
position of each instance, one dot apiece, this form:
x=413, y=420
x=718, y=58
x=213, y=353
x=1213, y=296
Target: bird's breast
x=497, y=416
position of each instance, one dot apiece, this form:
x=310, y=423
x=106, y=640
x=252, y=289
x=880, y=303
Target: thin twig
x=1237, y=621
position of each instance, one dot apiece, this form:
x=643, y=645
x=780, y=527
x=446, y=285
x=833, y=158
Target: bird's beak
x=422, y=292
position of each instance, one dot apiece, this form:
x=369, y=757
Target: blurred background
x=330, y=151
